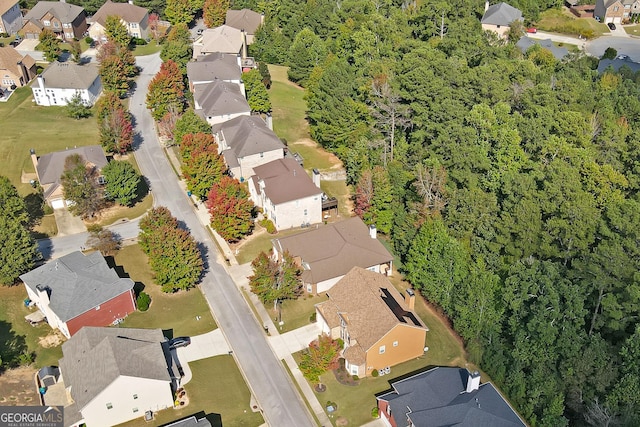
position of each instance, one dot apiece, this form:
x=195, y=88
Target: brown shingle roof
x=127, y=12
x=220, y=98
x=6, y=5
x=9, y=59
x=223, y=39
x=332, y=250
x=65, y=12
x=245, y=19
x=285, y=181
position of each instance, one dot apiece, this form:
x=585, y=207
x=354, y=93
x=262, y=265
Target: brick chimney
x=410, y=299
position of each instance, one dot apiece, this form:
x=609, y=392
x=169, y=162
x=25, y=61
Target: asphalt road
x=266, y=377
x=624, y=45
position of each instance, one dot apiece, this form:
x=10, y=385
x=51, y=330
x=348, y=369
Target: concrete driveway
x=202, y=346
x=28, y=47
x=67, y=223
x=624, y=45
x=558, y=38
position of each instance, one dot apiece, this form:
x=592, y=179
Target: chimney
x=316, y=177
x=41, y=83
x=410, y=299
x=473, y=382
x=486, y=5
x=34, y=160
x=373, y=233
x=43, y=294
x=269, y=121
x=243, y=34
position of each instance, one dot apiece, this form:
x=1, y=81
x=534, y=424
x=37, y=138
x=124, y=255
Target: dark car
x=179, y=342
x=611, y=26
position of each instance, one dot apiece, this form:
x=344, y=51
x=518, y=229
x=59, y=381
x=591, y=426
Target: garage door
x=57, y=204
x=617, y=20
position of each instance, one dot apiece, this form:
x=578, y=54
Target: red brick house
x=79, y=290
x=67, y=21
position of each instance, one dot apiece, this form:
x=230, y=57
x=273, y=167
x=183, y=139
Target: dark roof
x=616, y=64
x=45, y=374
x=126, y=11
x=332, y=250
x=526, y=42
x=284, y=181
x=244, y=19
x=217, y=65
x=220, y=98
x=192, y=421
x=438, y=397
x=95, y=357
x=247, y=135
x=501, y=14
x=77, y=283
x=65, y=12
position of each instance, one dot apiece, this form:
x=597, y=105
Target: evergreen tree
x=77, y=108
x=257, y=95
x=50, y=45
x=306, y=52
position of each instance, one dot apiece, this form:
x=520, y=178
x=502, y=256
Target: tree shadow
x=35, y=208
x=141, y=191
x=12, y=347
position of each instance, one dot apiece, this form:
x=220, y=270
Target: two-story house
x=245, y=19
x=378, y=326
x=498, y=18
x=10, y=16
x=213, y=67
x=67, y=21
x=134, y=18
x=224, y=39
x=220, y=101
x=15, y=69
x=246, y=142
x=616, y=11
x=60, y=81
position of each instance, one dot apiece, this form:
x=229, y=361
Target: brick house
x=67, y=21
x=15, y=69
x=134, y=18
x=615, y=11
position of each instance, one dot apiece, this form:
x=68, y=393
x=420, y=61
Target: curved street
x=624, y=45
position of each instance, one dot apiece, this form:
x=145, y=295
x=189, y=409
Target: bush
x=48, y=210
x=143, y=301
x=355, y=377
x=88, y=40
x=139, y=42
x=374, y=412
x=269, y=226
x=312, y=318
x=374, y=373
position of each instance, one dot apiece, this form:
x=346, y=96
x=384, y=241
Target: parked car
x=179, y=342
x=532, y=30
x=611, y=26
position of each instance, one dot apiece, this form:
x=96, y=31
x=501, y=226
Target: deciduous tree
x=77, y=108
x=189, y=122
x=121, y=182
x=321, y=356
x=215, y=12
x=257, y=95
x=80, y=185
x=179, y=12
x=230, y=209
x=116, y=31
x=166, y=90
x=273, y=281
x=104, y=240
x=50, y=45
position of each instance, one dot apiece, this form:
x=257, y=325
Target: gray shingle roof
x=247, y=135
x=95, y=357
x=332, y=250
x=68, y=75
x=65, y=12
x=190, y=422
x=244, y=19
x=220, y=98
x=616, y=64
x=438, y=397
x=526, y=42
x=126, y=11
x=217, y=65
x=285, y=181
x=78, y=283
x=5, y=5
x=501, y=14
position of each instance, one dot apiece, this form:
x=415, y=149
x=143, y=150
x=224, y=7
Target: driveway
x=558, y=38
x=28, y=47
x=294, y=341
x=203, y=346
x=67, y=223
x=624, y=45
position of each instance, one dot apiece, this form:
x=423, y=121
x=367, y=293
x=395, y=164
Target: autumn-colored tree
x=273, y=281
x=166, y=90
x=116, y=133
x=154, y=25
x=230, y=209
x=107, y=49
x=321, y=356
x=214, y=12
x=50, y=45
x=179, y=12
x=103, y=240
x=113, y=72
x=189, y=122
x=202, y=165
x=106, y=104
x=116, y=31
x=156, y=219
x=193, y=144
x=178, y=47
x=364, y=194
x=167, y=124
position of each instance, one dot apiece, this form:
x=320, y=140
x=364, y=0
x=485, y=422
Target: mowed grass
x=289, y=107
x=148, y=49
x=633, y=30
x=296, y=313
x=564, y=22
x=45, y=129
x=177, y=312
x=217, y=391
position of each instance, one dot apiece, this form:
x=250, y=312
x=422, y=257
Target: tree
x=178, y=47
x=18, y=250
x=80, y=185
x=202, y=165
x=116, y=31
x=121, y=182
x=265, y=74
x=116, y=131
x=306, y=52
x=179, y=12
x=230, y=209
x=76, y=51
x=390, y=114
x=321, y=356
x=610, y=53
x=189, y=122
x=114, y=75
x=103, y=240
x=166, y=90
x=167, y=124
x=257, y=95
x=77, y=108
x=215, y=12
x=50, y=45
x=154, y=27
x=364, y=194
x=273, y=281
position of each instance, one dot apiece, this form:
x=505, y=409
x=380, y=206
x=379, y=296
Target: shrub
x=88, y=40
x=374, y=412
x=269, y=226
x=374, y=373
x=143, y=301
x=139, y=42
x=355, y=377
x=48, y=210
x=312, y=318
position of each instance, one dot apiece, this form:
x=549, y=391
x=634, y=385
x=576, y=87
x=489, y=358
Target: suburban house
x=443, y=397
x=616, y=11
x=191, y=421
x=246, y=142
x=16, y=70
x=60, y=81
x=326, y=253
x=223, y=39
x=220, y=101
x=49, y=169
x=526, y=42
x=498, y=18
x=378, y=326
x=286, y=194
x=245, y=19
x=213, y=67
x=134, y=18
x=617, y=64
x=113, y=375
x=66, y=20
x=79, y=290
x=10, y=16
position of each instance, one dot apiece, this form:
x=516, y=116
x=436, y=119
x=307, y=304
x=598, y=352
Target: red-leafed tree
x=166, y=90
x=230, y=209
x=214, y=12
x=202, y=166
x=321, y=356
x=114, y=122
x=193, y=144
x=364, y=194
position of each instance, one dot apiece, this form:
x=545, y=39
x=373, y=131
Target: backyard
x=564, y=22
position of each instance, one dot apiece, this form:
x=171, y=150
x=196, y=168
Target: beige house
x=245, y=19
x=10, y=16
x=378, y=326
x=134, y=18
x=67, y=21
x=15, y=69
x=615, y=11
x=223, y=39
x=498, y=18
x=328, y=252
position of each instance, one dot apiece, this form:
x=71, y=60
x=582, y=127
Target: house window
x=66, y=25
x=382, y=349
x=354, y=369
x=497, y=26
x=109, y=406
x=46, y=23
x=395, y=343
x=134, y=25
x=616, y=8
x=135, y=410
x=56, y=25
x=305, y=212
x=135, y=396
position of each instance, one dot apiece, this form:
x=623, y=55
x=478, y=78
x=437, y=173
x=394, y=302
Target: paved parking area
x=202, y=346
x=624, y=45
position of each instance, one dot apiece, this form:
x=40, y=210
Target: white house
x=213, y=67
x=220, y=101
x=286, y=193
x=62, y=80
x=134, y=18
x=10, y=16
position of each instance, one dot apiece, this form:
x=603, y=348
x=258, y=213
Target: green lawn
x=260, y=242
x=633, y=30
x=148, y=49
x=289, y=109
x=45, y=129
x=564, y=22
x=340, y=191
x=218, y=391
x=296, y=313
x=178, y=311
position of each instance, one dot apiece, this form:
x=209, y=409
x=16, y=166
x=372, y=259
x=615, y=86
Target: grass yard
x=340, y=191
x=564, y=22
x=296, y=314
x=167, y=311
x=259, y=241
x=217, y=391
x=45, y=129
x=289, y=109
x=633, y=30
x=148, y=49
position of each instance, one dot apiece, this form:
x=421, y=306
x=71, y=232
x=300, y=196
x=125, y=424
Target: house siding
x=388, y=420
x=61, y=96
x=292, y=214
x=411, y=341
x=500, y=30
x=116, y=308
x=214, y=120
x=245, y=170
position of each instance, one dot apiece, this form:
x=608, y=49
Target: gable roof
x=126, y=11
x=438, y=397
x=10, y=58
x=68, y=75
x=616, y=64
x=65, y=12
x=247, y=135
x=219, y=98
x=95, y=357
x=5, y=5
x=192, y=421
x=370, y=306
x=284, y=181
x=217, y=65
x=501, y=14
x=77, y=283
x=526, y=42
x=223, y=39
x=244, y=19
x=332, y=250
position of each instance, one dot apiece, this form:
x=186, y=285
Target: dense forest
x=507, y=183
